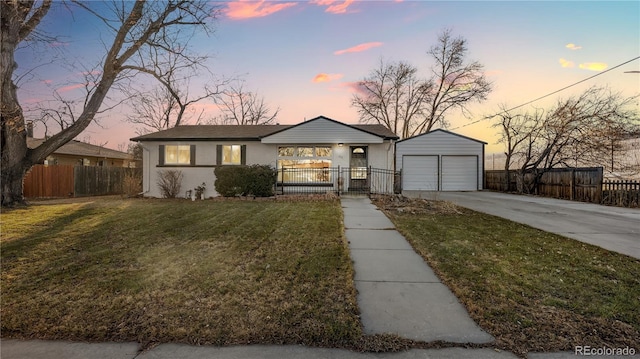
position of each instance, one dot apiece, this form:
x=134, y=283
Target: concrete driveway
x=613, y=228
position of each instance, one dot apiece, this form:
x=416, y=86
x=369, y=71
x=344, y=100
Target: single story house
x=440, y=161
x=78, y=153
x=305, y=154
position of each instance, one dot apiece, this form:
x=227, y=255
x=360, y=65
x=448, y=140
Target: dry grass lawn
x=532, y=290
x=152, y=271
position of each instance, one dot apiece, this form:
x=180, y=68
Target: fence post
x=339, y=181
x=572, y=184
x=368, y=182
x=275, y=184
x=600, y=179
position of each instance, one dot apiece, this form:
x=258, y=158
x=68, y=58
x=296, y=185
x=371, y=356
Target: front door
x=358, y=164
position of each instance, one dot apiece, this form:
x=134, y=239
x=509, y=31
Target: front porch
x=338, y=180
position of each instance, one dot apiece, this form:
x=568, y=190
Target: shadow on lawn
x=130, y=271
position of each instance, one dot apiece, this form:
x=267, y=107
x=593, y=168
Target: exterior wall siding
x=380, y=156
x=202, y=172
x=321, y=131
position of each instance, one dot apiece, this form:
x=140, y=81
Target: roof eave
x=194, y=139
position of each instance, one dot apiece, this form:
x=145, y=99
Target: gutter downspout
x=145, y=176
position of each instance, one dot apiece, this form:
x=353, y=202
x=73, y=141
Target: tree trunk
x=12, y=178
x=15, y=160
x=13, y=137
x=520, y=185
x=507, y=173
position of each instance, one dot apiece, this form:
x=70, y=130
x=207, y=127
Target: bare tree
x=518, y=131
x=394, y=96
x=60, y=112
x=242, y=107
x=167, y=105
x=138, y=28
x=576, y=131
x=457, y=84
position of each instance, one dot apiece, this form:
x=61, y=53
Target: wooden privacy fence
x=49, y=181
x=577, y=184
x=621, y=193
x=69, y=181
x=496, y=180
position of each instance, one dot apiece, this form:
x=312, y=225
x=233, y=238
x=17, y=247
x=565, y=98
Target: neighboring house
x=83, y=154
x=441, y=161
x=307, y=150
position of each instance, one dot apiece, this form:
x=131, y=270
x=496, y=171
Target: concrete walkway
x=397, y=291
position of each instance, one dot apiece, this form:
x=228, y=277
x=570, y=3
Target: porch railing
x=338, y=180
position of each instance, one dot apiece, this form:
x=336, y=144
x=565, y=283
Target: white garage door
x=420, y=173
x=459, y=173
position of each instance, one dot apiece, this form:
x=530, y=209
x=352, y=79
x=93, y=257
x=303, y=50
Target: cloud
x=71, y=87
x=359, y=48
x=593, y=66
x=566, y=63
x=322, y=77
x=244, y=9
x=571, y=46
x=334, y=6
x=356, y=88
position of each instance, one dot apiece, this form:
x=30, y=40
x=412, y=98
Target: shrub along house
x=317, y=155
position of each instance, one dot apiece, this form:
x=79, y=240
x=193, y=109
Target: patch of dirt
x=401, y=204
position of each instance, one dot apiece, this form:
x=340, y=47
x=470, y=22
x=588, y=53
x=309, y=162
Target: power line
x=547, y=95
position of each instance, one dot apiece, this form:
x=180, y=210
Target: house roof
x=212, y=132
x=373, y=129
x=444, y=131
x=243, y=132
x=77, y=148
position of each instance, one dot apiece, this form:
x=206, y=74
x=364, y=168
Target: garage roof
x=445, y=131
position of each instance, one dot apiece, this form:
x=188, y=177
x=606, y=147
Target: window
x=304, y=164
x=305, y=151
x=286, y=151
x=231, y=154
x=177, y=155
x=323, y=151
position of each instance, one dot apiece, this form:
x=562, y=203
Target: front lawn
x=204, y=272
x=532, y=290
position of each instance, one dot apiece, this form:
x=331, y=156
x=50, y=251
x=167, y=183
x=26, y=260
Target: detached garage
x=440, y=161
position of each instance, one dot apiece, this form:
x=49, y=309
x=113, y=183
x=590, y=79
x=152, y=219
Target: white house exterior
x=302, y=150
x=440, y=161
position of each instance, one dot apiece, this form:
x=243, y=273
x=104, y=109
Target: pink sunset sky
x=305, y=56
